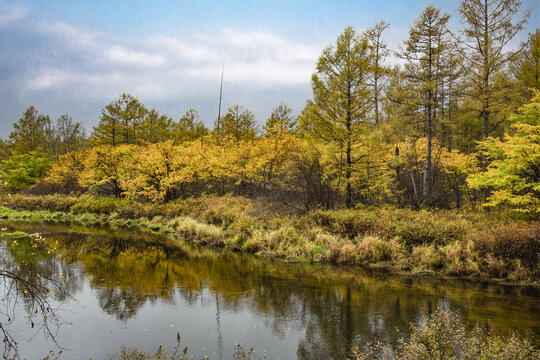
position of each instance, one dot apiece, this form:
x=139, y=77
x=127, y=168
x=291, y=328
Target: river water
x=139, y=290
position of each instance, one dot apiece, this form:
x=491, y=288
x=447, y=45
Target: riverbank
x=443, y=243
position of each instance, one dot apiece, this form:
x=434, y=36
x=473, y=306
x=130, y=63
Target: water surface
x=140, y=289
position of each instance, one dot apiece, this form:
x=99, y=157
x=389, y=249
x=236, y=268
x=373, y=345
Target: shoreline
x=304, y=243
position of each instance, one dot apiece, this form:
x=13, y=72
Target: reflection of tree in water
x=334, y=307
x=122, y=303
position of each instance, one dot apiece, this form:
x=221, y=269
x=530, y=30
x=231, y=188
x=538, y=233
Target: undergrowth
x=452, y=243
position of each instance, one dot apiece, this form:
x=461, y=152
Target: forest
x=440, y=137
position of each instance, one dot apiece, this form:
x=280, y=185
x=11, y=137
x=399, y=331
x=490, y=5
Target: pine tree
x=239, y=124
x=28, y=133
x=190, y=127
x=341, y=99
x=379, y=71
x=280, y=121
x=155, y=127
x=489, y=27
x=120, y=122
x=425, y=51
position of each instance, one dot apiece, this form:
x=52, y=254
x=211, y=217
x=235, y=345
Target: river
x=139, y=289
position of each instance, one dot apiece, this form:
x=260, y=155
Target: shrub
x=372, y=250
x=44, y=202
x=427, y=257
x=425, y=228
x=225, y=210
x=514, y=241
x=100, y=205
x=443, y=335
x=347, y=223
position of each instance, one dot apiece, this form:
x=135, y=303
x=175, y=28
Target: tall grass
x=440, y=242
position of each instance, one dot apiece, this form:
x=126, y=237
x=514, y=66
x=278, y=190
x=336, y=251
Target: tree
x=155, y=171
x=239, y=124
x=28, y=133
x=103, y=166
x=424, y=52
x=4, y=150
x=120, y=122
x=68, y=169
x=24, y=282
x=378, y=71
x=514, y=169
x=156, y=128
x=341, y=100
x=280, y=121
x=70, y=135
x=190, y=127
x=526, y=66
x=21, y=171
x=489, y=27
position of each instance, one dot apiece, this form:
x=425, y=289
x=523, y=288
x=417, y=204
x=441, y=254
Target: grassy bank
x=446, y=243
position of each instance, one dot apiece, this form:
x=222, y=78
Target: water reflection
x=315, y=311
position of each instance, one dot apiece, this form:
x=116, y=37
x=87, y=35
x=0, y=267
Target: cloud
x=252, y=58
x=122, y=55
x=65, y=69
x=12, y=14
x=47, y=79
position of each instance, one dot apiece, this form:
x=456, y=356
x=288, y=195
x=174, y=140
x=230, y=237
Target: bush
x=224, y=211
x=427, y=228
x=443, y=335
x=44, y=202
x=519, y=242
x=347, y=223
x=372, y=250
x=99, y=205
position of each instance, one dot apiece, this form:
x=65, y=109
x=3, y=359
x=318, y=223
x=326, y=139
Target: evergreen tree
x=280, y=121
x=156, y=128
x=239, y=124
x=28, y=133
x=489, y=27
x=379, y=71
x=341, y=100
x=120, y=122
x=526, y=66
x=190, y=127
x=424, y=52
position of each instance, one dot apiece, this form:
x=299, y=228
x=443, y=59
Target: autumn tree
x=379, y=71
x=68, y=169
x=190, y=127
x=120, y=121
x=341, y=100
x=103, y=166
x=526, y=65
x=424, y=52
x=281, y=121
x=154, y=171
x=513, y=172
x=239, y=124
x=155, y=127
x=5, y=150
x=489, y=26
x=69, y=134
x=28, y=133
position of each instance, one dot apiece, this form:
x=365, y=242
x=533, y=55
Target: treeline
x=456, y=124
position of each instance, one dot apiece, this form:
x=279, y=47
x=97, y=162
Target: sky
x=74, y=57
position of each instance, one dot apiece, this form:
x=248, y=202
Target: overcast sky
x=74, y=57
